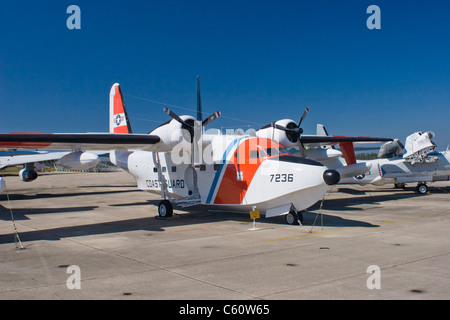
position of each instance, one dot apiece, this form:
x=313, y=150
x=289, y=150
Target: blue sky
x=258, y=61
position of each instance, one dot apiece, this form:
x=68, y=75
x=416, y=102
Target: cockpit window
x=275, y=152
x=254, y=154
x=254, y=149
x=265, y=153
x=282, y=150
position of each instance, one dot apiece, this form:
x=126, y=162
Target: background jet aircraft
x=420, y=163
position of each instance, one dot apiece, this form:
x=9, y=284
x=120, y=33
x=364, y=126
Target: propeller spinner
x=293, y=132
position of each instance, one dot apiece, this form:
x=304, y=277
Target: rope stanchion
x=320, y=211
x=17, y=241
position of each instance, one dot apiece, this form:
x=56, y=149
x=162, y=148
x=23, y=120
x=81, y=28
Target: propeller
x=190, y=124
x=211, y=118
x=293, y=131
x=176, y=117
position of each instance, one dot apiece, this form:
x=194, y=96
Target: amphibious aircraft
x=420, y=162
x=189, y=167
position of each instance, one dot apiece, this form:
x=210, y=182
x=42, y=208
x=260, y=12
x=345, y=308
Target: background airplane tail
x=347, y=149
x=118, y=118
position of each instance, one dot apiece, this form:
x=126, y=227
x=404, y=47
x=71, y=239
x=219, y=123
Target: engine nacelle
x=269, y=131
x=172, y=133
x=79, y=160
x=27, y=175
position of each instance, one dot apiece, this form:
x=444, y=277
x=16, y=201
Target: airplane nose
x=331, y=177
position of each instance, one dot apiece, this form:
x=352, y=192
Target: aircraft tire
x=293, y=218
x=165, y=209
x=422, y=188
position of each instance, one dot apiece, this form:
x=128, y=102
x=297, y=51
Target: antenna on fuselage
x=199, y=101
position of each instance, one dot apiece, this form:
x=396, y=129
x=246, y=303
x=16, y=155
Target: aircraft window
x=254, y=154
x=164, y=169
x=155, y=169
x=174, y=169
x=202, y=167
x=216, y=167
x=275, y=152
x=272, y=152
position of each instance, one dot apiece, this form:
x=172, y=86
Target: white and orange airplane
x=189, y=166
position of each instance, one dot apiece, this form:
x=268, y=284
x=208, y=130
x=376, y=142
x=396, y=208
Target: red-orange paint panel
x=246, y=160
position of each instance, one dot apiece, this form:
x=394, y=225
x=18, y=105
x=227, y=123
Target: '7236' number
x=282, y=177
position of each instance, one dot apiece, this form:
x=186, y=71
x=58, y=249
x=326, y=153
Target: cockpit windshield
x=267, y=153
x=255, y=150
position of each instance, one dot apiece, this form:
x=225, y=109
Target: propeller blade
x=211, y=118
x=176, y=117
x=303, y=116
x=279, y=127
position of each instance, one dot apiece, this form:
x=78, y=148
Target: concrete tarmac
x=366, y=242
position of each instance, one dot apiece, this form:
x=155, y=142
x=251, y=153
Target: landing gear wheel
x=165, y=209
x=422, y=188
x=293, y=218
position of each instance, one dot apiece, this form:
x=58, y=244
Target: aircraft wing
x=345, y=143
x=329, y=140
x=82, y=141
x=14, y=160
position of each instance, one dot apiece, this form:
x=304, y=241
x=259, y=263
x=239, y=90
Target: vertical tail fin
x=348, y=151
x=118, y=118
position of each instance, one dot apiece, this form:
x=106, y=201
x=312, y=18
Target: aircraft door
x=190, y=178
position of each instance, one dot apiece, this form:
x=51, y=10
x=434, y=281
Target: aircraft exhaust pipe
x=331, y=177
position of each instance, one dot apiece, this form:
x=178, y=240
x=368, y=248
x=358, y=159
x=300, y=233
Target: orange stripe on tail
x=119, y=122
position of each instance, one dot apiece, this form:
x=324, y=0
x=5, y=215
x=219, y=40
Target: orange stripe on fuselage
x=231, y=190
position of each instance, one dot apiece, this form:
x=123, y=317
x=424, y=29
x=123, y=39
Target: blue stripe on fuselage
x=222, y=165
